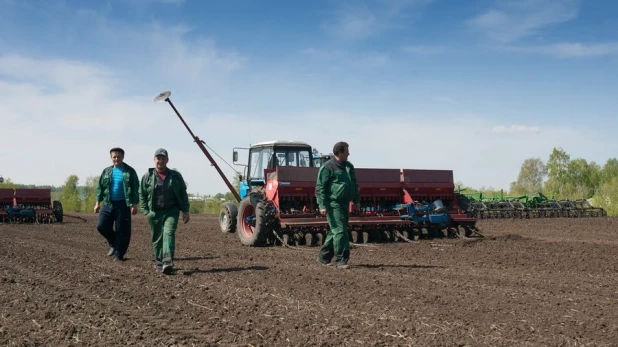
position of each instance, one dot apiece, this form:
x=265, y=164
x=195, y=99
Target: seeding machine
x=277, y=201
x=29, y=206
x=538, y=206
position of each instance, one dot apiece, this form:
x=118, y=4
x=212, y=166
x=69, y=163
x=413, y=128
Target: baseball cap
x=161, y=151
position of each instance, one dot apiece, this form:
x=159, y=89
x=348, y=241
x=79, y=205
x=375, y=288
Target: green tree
x=70, y=195
x=90, y=193
x=8, y=184
x=557, y=172
x=583, y=178
x=530, y=178
x=212, y=206
x=607, y=196
x=228, y=196
x=610, y=170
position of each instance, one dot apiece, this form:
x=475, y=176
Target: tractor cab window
x=268, y=158
x=292, y=157
x=259, y=160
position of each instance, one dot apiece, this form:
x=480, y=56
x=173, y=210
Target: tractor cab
x=270, y=155
x=320, y=159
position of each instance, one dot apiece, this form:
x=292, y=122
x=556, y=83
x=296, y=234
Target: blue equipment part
x=18, y=211
x=434, y=214
x=244, y=189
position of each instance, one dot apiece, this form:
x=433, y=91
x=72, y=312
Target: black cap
x=161, y=151
x=117, y=149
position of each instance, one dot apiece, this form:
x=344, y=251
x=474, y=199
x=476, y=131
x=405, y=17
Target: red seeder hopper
x=29, y=206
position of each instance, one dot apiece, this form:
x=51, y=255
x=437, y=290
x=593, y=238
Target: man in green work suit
x=163, y=195
x=336, y=187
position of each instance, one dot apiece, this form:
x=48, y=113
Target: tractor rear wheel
x=252, y=233
x=227, y=218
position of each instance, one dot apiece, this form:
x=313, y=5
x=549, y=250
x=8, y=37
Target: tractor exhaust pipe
x=165, y=96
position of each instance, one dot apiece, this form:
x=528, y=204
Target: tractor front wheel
x=227, y=218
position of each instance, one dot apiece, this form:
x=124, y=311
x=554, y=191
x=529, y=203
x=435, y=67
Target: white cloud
x=362, y=19
x=573, y=49
x=354, y=24
x=515, y=129
x=348, y=59
x=511, y=20
x=67, y=113
x=68, y=132
x=467, y=145
x=422, y=50
x=445, y=100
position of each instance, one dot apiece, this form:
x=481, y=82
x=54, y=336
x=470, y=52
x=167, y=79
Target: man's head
x=117, y=155
x=161, y=159
x=341, y=151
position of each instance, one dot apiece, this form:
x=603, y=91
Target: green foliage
x=607, y=196
x=530, y=179
x=557, y=170
x=89, y=193
x=8, y=184
x=70, y=199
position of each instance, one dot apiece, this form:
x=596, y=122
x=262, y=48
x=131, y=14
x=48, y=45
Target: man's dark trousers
x=119, y=214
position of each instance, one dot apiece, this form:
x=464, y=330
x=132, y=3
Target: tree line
x=560, y=177
x=564, y=178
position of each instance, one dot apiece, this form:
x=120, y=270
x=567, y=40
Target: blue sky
x=472, y=86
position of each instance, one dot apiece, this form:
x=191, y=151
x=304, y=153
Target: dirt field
x=551, y=282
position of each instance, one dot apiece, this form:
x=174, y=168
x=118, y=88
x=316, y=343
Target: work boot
x=321, y=262
x=342, y=265
x=111, y=251
x=159, y=268
x=167, y=269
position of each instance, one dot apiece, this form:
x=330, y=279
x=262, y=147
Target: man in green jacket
x=117, y=192
x=163, y=195
x=336, y=187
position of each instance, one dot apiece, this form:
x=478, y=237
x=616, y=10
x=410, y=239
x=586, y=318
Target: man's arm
x=356, y=198
x=100, y=189
x=143, y=194
x=184, y=199
x=99, y=195
x=134, y=184
x=321, y=187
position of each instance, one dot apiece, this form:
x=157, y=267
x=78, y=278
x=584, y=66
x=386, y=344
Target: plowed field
x=551, y=282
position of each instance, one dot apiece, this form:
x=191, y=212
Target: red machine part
x=292, y=191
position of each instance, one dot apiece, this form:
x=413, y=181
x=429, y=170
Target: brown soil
x=550, y=282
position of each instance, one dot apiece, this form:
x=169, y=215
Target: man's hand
x=357, y=207
x=186, y=217
x=96, y=207
x=134, y=209
x=323, y=212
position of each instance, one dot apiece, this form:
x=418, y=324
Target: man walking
x=163, y=195
x=117, y=198
x=336, y=187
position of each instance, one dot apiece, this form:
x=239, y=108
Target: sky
x=473, y=86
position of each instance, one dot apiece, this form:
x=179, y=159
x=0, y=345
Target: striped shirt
x=117, y=191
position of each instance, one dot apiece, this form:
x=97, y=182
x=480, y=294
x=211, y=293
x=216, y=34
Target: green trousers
x=337, y=243
x=163, y=226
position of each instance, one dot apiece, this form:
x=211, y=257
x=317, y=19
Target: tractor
x=277, y=203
